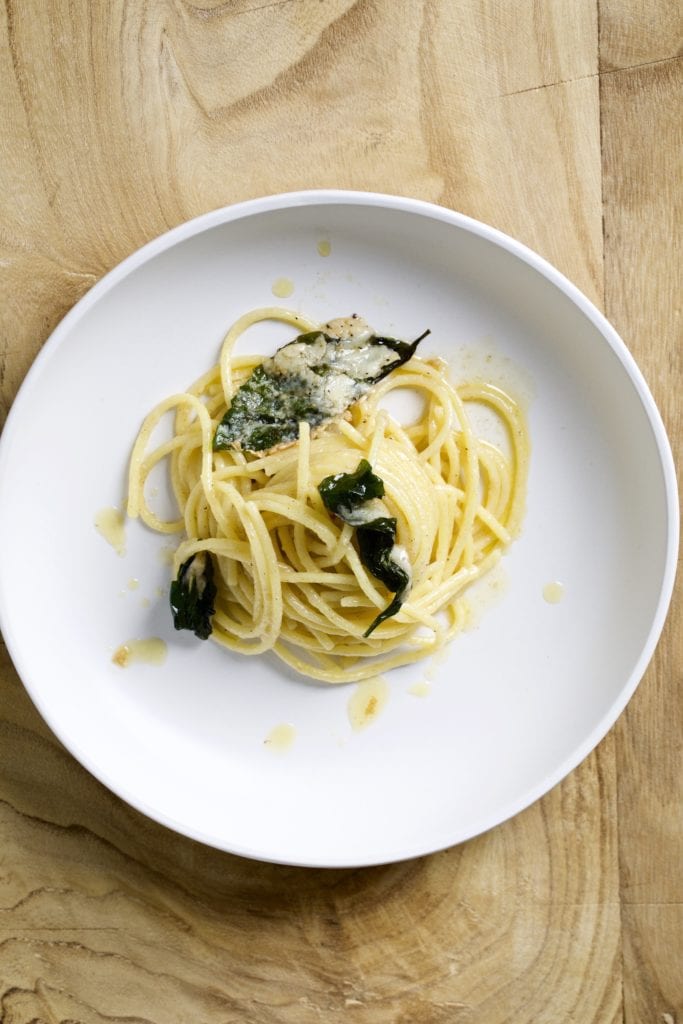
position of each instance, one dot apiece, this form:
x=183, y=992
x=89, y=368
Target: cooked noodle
x=288, y=574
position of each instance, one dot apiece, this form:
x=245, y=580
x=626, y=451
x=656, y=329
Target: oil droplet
x=145, y=602
x=151, y=650
x=324, y=247
x=283, y=287
x=367, y=701
x=281, y=738
x=553, y=592
x=421, y=689
x=160, y=592
x=109, y=522
x=133, y=583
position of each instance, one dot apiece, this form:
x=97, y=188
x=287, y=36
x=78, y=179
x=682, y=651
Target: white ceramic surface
x=516, y=704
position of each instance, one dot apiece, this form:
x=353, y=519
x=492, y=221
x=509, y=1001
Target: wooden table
x=557, y=121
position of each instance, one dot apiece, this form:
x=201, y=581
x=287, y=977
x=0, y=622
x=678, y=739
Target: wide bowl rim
x=336, y=197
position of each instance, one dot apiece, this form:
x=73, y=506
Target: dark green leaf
x=403, y=349
x=391, y=609
x=310, y=337
x=193, y=594
x=265, y=411
x=280, y=394
x=344, y=492
x=375, y=545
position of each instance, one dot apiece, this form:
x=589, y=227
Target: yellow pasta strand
x=288, y=574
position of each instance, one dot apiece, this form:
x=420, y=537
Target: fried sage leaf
x=387, y=562
x=192, y=595
x=311, y=379
x=353, y=497
x=344, y=494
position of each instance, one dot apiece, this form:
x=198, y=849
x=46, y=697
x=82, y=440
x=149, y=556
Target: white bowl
x=516, y=704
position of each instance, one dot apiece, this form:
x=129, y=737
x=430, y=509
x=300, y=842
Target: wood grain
x=121, y=120
x=168, y=111
x=634, y=32
x=108, y=916
x=643, y=222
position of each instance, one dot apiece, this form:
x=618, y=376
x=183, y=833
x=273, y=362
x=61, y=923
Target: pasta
x=288, y=574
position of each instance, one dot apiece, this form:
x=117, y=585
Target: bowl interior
x=517, y=701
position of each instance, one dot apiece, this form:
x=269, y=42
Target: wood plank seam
x=548, y=85
x=584, y=78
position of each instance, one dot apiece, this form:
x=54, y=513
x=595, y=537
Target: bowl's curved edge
x=336, y=197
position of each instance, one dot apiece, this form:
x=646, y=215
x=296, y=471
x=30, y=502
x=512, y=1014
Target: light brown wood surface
x=557, y=121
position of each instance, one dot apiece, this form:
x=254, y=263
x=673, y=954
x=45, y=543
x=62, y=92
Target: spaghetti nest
x=289, y=577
